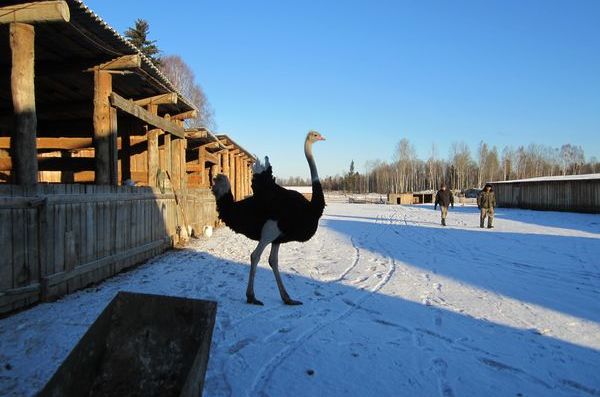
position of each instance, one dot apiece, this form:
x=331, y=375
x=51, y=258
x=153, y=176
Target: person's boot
x=490, y=226
x=443, y=222
x=481, y=225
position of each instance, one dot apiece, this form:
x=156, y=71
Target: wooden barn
x=576, y=193
x=97, y=172
x=411, y=198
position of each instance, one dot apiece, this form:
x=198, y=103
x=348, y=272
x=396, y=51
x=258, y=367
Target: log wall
x=574, y=195
x=56, y=239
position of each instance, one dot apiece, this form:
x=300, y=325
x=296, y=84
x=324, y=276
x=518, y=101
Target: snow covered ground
x=394, y=305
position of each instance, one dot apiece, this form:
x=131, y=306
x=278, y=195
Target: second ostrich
x=272, y=215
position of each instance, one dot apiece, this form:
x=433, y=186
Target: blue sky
x=368, y=73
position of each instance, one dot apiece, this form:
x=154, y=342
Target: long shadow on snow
x=563, y=220
x=528, y=267
x=403, y=342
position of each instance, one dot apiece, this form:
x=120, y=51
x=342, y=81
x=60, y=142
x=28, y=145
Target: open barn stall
x=93, y=154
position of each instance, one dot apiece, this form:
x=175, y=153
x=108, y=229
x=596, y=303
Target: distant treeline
x=462, y=170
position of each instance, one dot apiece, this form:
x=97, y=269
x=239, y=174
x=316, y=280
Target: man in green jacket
x=486, y=201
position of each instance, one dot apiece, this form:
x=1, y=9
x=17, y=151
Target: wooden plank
x=19, y=249
x=54, y=143
x=54, y=163
x=6, y=236
x=62, y=277
x=23, y=99
x=131, y=108
x=162, y=99
x=44, y=11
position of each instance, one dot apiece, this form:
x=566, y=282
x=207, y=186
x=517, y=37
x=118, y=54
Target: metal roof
x=561, y=178
x=64, y=51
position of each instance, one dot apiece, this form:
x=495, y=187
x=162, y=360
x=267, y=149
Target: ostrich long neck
x=314, y=176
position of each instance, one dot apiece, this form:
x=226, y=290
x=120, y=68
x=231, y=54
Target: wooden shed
x=93, y=154
x=577, y=193
x=411, y=198
x=208, y=155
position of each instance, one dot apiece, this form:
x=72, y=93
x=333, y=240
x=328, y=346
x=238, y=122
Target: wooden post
x=177, y=171
x=153, y=152
x=238, y=178
x=246, y=173
x=168, y=148
x=202, y=162
x=113, y=150
x=126, y=150
x=225, y=163
x=66, y=176
x=232, y=176
x=102, y=127
x=153, y=157
x=23, y=142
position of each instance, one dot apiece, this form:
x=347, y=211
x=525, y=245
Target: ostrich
x=272, y=215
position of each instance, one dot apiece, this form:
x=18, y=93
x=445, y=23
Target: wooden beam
x=102, y=127
x=22, y=85
x=162, y=99
x=190, y=114
x=54, y=143
x=194, y=167
x=137, y=111
x=54, y=163
x=44, y=11
x=122, y=62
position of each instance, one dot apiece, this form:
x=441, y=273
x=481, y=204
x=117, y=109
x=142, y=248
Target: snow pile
x=394, y=304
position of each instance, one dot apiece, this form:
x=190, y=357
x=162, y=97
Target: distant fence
x=60, y=238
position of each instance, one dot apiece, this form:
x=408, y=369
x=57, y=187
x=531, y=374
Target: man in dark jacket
x=486, y=201
x=444, y=198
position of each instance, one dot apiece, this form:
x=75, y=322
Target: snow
x=394, y=304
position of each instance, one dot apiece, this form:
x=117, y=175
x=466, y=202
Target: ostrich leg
x=269, y=233
x=274, y=263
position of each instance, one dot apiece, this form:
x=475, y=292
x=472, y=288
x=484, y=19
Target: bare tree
x=183, y=78
x=482, y=158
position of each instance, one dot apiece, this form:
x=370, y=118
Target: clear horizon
x=366, y=75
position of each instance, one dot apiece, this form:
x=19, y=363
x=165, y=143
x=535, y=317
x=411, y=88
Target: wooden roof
x=198, y=137
x=64, y=87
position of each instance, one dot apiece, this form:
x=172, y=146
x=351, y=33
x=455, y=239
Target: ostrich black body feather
x=296, y=217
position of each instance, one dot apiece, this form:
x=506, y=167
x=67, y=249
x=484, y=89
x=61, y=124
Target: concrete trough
x=140, y=345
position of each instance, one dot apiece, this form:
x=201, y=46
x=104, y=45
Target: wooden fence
x=568, y=195
x=55, y=239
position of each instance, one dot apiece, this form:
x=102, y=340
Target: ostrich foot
x=291, y=302
x=253, y=301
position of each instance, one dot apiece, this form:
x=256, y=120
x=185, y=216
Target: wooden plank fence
x=57, y=238
x=568, y=195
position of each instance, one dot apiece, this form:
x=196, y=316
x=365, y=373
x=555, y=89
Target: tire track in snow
x=265, y=373
x=354, y=263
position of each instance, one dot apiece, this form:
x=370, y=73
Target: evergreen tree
x=138, y=36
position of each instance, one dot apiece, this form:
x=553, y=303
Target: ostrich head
x=314, y=136
x=221, y=186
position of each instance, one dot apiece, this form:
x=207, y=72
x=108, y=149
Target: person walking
x=444, y=198
x=486, y=201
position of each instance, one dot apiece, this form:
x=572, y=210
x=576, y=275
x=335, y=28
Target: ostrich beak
x=321, y=138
